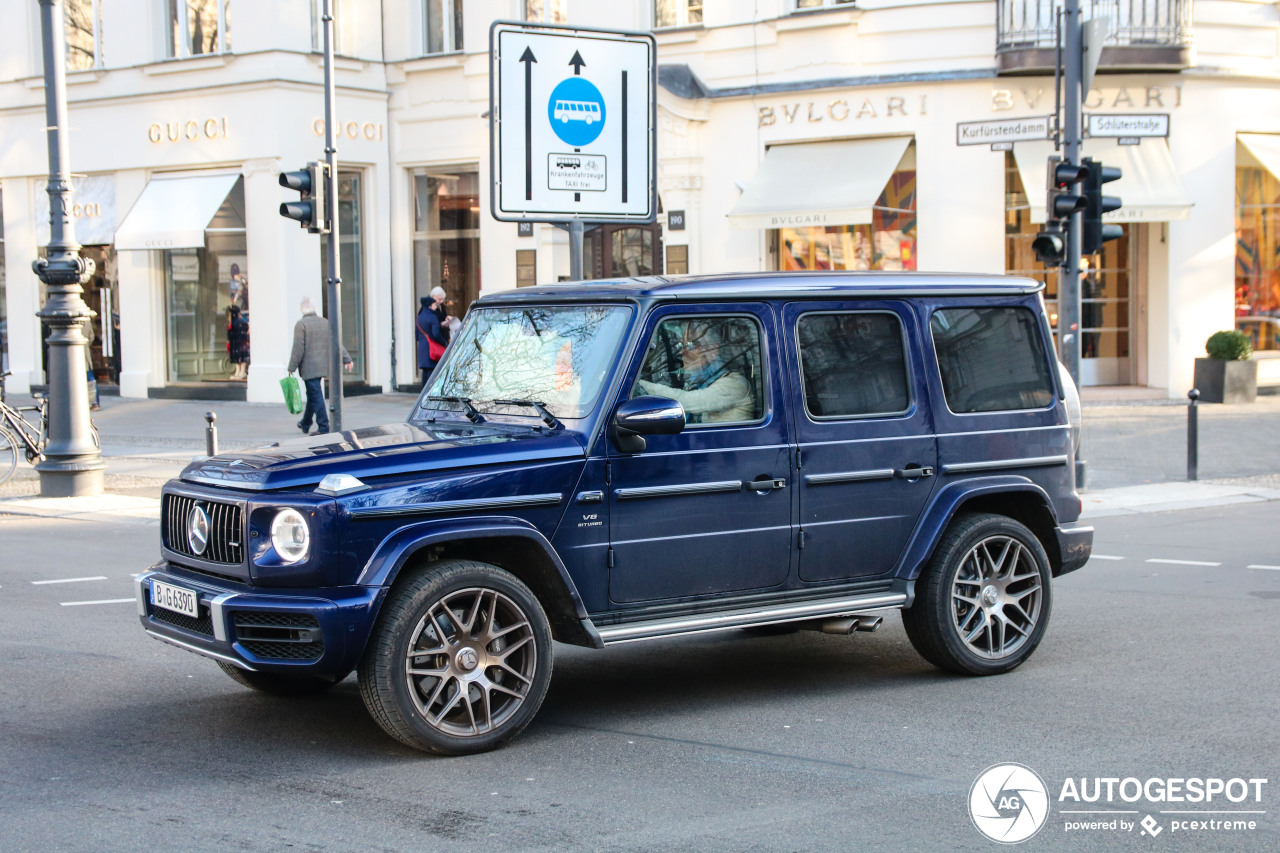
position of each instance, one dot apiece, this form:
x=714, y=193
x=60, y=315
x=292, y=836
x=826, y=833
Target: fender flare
x=942, y=509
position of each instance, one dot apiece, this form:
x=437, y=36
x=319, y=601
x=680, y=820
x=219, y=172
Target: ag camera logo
x=1008, y=803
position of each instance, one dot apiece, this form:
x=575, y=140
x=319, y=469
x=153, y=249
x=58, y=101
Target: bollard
x=210, y=435
x=1193, y=435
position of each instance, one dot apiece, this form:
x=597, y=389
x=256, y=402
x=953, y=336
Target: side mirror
x=635, y=419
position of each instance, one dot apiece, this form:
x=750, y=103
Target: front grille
x=203, y=625
x=226, y=528
x=280, y=636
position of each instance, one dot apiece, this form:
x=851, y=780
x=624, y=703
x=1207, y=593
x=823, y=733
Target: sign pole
x=334, y=279
x=576, y=229
x=1069, y=286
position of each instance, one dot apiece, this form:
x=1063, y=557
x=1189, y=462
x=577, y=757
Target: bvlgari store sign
x=93, y=211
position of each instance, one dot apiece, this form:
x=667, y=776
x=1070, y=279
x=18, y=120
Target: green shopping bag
x=292, y=394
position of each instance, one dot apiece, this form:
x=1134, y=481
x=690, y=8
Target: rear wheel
x=8, y=454
x=278, y=684
x=459, y=661
x=983, y=601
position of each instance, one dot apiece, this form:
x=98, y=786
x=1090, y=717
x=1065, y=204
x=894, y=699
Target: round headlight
x=290, y=535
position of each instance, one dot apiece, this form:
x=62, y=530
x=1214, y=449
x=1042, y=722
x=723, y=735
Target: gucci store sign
x=93, y=210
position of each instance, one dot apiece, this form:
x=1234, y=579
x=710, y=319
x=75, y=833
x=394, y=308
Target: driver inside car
x=713, y=386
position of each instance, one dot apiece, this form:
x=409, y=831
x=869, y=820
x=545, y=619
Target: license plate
x=175, y=598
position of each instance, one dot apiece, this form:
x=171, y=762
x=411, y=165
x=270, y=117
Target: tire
x=477, y=627
x=8, y=454
x=277, y=684
x=983, y=600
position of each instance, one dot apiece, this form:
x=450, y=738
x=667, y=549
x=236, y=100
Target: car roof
x=773, y=285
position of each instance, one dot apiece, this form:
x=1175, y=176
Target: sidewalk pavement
x=1134, y=445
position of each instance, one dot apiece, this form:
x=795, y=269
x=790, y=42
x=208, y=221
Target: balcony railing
x=1151, y=35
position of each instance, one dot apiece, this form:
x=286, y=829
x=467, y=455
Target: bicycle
x=18, y=434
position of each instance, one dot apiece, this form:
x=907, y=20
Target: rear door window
x=853, y=364
x=992, y=359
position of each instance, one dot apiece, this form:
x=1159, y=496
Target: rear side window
x=992, y=359
x=853, y=364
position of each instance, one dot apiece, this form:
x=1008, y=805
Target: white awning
x=1265, y=147
x=172, y=213
x=819, y=183
x=1149, y=185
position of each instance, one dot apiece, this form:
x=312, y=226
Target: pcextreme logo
x=1009, y=803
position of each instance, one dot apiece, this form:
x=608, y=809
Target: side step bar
x=702, y=623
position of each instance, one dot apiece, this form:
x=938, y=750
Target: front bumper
x=316, y=632
x=1075, y=544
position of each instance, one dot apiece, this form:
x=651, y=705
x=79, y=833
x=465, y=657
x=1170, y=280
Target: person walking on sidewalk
x=310, y=358
x=430, y=335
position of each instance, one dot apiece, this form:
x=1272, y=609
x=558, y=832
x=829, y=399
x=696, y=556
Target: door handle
x=767, y=484
x=914, y=472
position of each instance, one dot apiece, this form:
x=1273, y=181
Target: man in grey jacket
x=310, y=357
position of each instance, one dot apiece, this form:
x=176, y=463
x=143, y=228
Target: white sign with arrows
x=572, y=124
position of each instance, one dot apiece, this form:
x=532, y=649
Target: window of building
x=201, y=285
x=819, y=4
x=853, y=364
x=446, y=235
x=340, y=32
x=991, y=359
x=1258, y=255
x=547, y=11
x=197, y=27
x=887, y=243
x=82, y=26
x=710, y=365
x=1104, y=286
x=677, y=13
x=443, y=32
x=351, y=260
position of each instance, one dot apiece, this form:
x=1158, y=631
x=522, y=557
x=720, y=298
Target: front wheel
x=983, y=600
x=8, y=454
x=459, y=661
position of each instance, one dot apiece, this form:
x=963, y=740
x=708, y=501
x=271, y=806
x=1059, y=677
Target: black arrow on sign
x=577, y=62
x=528, y=59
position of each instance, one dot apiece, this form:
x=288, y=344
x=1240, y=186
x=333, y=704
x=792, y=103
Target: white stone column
x=22, y=288
x=143, y=336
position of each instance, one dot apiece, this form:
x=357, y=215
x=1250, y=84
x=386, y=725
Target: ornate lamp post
x=72, y=465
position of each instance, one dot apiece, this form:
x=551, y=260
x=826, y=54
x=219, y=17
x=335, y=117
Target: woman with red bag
x=430, y=335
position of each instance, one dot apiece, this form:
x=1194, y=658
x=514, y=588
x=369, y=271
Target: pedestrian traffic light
x=1061, y=202
x=310, y=210
x=1095, y=233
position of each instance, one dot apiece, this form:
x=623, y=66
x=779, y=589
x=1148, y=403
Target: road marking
x=1181, y=562
x=103, y=601
x=70, y=580
x=1104, y=557
x=1268, y=568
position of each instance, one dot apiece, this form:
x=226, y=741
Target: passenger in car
x=715, y=390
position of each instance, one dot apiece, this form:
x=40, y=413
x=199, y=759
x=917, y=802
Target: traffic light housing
x=1061, y=202
x=311, y=210
x=1095, y=232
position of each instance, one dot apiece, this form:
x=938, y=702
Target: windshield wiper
x=473, y=414
x=547, y=418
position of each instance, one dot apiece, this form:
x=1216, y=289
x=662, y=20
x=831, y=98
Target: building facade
x=792, y=134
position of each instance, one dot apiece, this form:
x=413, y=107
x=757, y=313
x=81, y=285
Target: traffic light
x=1061, y=201
x=310, y=210
x=1096, y=204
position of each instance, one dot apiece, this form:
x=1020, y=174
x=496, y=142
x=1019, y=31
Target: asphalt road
x=112, y=741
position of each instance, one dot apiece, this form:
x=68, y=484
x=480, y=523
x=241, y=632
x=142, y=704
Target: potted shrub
x=1227, y=375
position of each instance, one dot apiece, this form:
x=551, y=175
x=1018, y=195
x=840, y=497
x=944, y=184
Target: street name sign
x=1129, y=126
x=572, y=124
x=1003, y=130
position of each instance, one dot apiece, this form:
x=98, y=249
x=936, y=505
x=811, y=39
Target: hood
x=378, y=452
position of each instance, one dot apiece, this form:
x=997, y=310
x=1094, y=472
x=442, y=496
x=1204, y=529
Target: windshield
x=559, y=356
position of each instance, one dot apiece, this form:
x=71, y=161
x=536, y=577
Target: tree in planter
x=1227, y=375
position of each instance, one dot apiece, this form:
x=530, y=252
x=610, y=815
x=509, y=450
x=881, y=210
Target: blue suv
x=617, y=461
